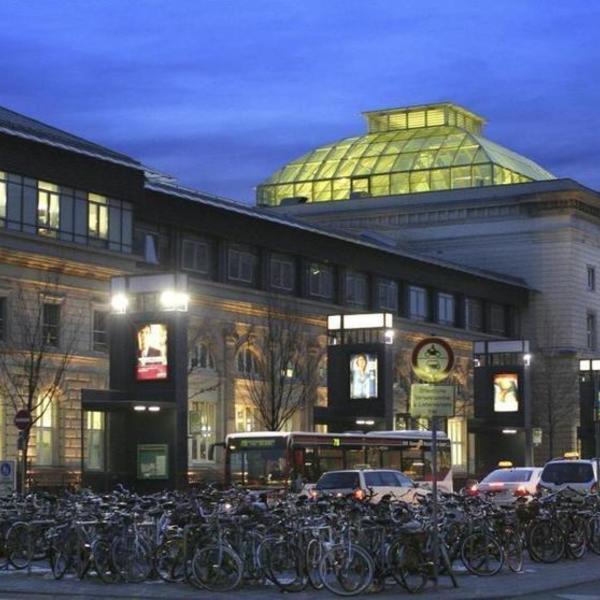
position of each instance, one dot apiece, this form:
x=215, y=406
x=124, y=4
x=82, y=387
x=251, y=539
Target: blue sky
x=222, y=93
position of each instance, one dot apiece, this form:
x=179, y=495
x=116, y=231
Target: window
x=445, y=314
x=202, y=419
x=591, y=331
x=2, y=195
x=282, y=273
x=356, y=289
x=196, y=256
x=591, y=278
x=45, y=432
x=497, y=319
x=51, y=323
x=99, y=331
x=417, y=303
x=97, y=217
x=94, y=441
x=48, y=210
x=387, y=294
x=201, y=357
x=320, y=281
x=473, y=314
x=241, y=265
x=246, y=362
x=3, y=302
x=458, y=447
x=246, y=418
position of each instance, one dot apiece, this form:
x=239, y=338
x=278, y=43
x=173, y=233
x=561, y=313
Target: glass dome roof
x=407, y=150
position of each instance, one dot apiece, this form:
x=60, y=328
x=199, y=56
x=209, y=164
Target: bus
x=267, y=459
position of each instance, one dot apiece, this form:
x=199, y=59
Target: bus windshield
x=258, y=462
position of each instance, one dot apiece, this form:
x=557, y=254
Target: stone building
x=459, y=204
x=85, y=213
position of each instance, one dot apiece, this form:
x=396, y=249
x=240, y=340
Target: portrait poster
x=152, y=360
x=506, y=392
x=363, y=376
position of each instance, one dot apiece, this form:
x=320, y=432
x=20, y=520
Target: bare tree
x=554, y=382
x=37, y=353
x=284, y=375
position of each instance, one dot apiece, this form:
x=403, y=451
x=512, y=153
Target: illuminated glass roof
x=406, y=150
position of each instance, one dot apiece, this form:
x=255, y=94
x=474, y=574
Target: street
x=566, y=580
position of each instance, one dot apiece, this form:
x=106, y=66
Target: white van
x=576, y=474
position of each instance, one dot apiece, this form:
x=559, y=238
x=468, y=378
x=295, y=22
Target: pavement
x=537, y=581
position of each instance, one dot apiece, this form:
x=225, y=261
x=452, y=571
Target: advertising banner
x=152, y=359
x=363, y=376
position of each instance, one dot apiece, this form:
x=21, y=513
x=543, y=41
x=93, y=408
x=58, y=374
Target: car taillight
x=359, y=494
x=521, y=491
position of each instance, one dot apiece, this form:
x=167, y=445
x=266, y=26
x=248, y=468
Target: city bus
x=268, y=459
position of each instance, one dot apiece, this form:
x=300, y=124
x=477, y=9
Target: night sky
x=222, y=93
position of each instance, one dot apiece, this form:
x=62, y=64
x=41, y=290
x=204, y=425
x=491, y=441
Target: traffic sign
x=432, y=360
x=428, y=400
x=23, y=419
x=8, y=477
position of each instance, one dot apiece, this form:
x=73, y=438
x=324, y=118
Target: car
x=577, y=474
x=507, y=484
x=363, y=482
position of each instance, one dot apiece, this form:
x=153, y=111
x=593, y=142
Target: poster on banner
x=152, y=360
x=428, y=400
x=8, y=477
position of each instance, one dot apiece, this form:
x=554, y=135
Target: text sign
x=8, y=477
x=428, y=400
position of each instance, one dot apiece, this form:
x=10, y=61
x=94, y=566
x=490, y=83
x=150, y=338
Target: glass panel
x=461, y=177
x=341, y=189
x=357, y=150
x=440, y=179
x=397, y=121
x=424, y=160
x=322, y=191
x=416, y=119
x=346, y=167
x=380, y=185
x=399, y=183
x=482, y=175
x=435, y=117
x=365, y=166
x=419, y=181
x=385, y=164
x=405, y=162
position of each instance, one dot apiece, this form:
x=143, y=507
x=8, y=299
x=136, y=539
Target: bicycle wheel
x=593, y=533
x=346, y=569
x=217, y=568
x=103, y=564
x=169, y=561
x=513, y=550
x=482, y=554
x=17, y=545
x=284, y=563
x=314, y=553
x=132, y=557
x=82, y=559
x=60, y=560
x=407, y=564
x=575, y=536
x=546, y=542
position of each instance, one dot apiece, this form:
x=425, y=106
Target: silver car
x=506, y=485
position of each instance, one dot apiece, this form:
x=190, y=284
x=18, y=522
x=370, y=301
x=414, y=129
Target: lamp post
x=590, y=368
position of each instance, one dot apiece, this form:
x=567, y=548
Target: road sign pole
x=435, y=542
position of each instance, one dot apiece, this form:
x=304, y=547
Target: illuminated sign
x=153, y=461
x=432, y=360
x=363, y=376
x=257, y=443
x=506, y=392
x=152, y=359
x=360, y=321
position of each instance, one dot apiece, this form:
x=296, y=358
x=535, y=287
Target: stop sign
x=23, y=419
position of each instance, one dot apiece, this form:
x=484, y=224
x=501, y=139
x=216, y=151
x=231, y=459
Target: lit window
x=418, y=308
x=356, y=289
x=246, y=418
x=48, y=208
x=94, y=441
x=99, y=331
x=445, y=313
x=591, y=278
x=196, y=256
x=202, y=419
x=282, y=273
x=241, y=265
x=97, y=217
x=201, y=357
x=45, y=432
x=458, y=447
x=591, y=331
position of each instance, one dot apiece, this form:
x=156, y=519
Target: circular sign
x=23, y=419
x=432, y=360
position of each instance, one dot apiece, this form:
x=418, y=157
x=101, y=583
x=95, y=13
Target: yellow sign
x=428, y=400
x=432, y=360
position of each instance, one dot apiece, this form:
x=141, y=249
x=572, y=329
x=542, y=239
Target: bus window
x=355, y=458
x=330, y=459
x=391, y=459
x=373, y=458
x=413, y=464
x=444, y=461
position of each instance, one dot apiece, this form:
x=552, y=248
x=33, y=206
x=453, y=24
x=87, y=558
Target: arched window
x=246, y=362
x=201, y=357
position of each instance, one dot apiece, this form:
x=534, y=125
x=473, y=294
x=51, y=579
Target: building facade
x=75, y=214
